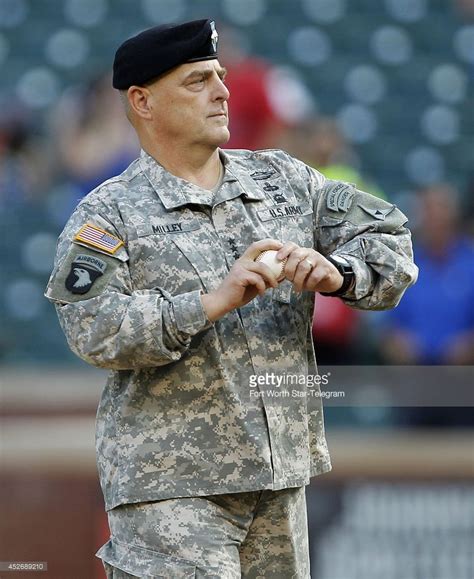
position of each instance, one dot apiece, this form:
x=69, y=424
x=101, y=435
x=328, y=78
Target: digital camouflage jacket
x=183, y=412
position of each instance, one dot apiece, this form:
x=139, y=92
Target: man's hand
x=246, y=279
x=309, y=270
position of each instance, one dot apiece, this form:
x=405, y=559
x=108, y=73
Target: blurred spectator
x=25, y=163
x=94, y=139
x=434, y=323
x=336, y=326
x=321, y=144
x=469, y=216
x=279, y=99
x=466, y=7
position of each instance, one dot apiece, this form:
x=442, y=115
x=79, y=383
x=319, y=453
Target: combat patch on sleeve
x=96, y=237
x=339, y=196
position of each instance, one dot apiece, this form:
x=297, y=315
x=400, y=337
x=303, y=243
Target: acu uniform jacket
x=181, y=414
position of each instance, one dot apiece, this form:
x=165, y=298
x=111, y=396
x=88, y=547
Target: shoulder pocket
x=383, y=216
x=141, y=562
x=330, y=234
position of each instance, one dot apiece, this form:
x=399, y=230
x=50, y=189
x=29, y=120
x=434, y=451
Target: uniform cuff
x=189, y=313
x=364, y=278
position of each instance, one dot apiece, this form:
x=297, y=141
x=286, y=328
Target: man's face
x=190, y=105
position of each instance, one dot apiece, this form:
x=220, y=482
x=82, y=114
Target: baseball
x=276, y=265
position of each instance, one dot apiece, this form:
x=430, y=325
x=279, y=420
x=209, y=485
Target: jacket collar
x=175, y=192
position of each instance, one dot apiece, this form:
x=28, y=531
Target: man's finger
x=264, y=271
x=315, y=278
x=303, y=271
x=257, y=247
x=295, y=258
x=287, y=248
x=256, y=280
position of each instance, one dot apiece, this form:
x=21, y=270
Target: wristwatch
x=345, y=269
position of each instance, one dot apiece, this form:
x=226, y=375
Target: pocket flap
x=146, y=563
x=282, y=293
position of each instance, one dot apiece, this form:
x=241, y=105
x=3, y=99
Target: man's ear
x=139, y=100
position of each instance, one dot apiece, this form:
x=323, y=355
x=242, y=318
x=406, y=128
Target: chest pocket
x=176, y=255
x=289, y=222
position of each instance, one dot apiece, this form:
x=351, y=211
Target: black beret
x=159, y=49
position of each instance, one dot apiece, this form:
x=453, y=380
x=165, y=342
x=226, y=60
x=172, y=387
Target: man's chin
x=227, y=137
x=222, y=137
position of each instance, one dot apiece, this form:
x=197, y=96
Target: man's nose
x=221, y=92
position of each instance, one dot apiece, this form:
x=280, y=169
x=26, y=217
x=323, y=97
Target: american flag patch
x=96, y=237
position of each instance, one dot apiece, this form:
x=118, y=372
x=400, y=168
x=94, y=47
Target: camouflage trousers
x=260, y=534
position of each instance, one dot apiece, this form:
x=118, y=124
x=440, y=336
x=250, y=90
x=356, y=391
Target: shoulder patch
x=339, y=196
x=85, y=269
x=96, y=237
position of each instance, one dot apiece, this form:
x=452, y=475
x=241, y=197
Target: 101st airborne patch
x=85, y=269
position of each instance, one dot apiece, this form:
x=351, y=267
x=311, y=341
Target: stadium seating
x=394, y=531
x=398, y=77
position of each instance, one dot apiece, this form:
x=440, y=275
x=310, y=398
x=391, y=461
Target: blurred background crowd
x=376, y=93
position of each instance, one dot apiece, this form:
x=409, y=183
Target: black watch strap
x=345, y=269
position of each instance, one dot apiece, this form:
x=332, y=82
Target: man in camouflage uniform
x=155, y=278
